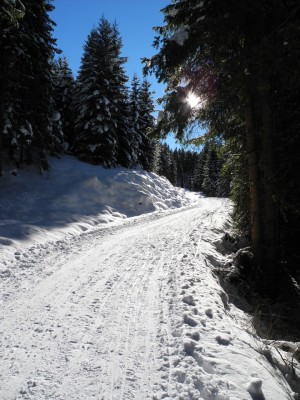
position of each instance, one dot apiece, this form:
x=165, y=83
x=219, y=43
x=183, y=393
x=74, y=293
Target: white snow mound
x=76, y=196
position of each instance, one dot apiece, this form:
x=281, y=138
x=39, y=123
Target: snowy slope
x=123, y=310
x=75, y=197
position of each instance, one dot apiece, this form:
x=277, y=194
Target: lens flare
x=194, y=101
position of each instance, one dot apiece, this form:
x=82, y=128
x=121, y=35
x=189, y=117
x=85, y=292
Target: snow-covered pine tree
x=126, y=136
x=29, y=113
x=165, y=161
x=135, y=117
x=64, y=85
x=103, y=132
x=146, y=123
x=141, y=109
x=198, y=171
x=210, y=173
x=36, y=113
x=11, y=12
x=8, y=54
x=156, y=156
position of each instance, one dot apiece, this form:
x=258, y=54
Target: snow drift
x=75, y=196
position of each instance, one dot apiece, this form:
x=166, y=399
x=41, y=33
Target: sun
x=193, y=100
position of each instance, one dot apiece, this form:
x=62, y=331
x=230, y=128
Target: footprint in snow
x=189, y=320
x=209, y=313
x=6, y=242
x=189, y=299
x=189, y=346
x=254, y=389
x=5, y=273
x=203, y=363
x=194, y=335
x=223, y=340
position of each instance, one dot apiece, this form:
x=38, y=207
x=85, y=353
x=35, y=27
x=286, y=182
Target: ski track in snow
x=121, y=313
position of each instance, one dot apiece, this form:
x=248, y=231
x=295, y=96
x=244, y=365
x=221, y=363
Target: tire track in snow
x=137, y=307
x=104, y=313
x=112, y=313
x=52, y=291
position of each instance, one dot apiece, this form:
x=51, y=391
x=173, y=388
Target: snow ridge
x=75, y=197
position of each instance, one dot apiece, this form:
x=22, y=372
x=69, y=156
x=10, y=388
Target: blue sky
x=135, y=19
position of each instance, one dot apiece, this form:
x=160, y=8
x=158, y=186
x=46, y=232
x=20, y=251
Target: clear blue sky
x=135, y=19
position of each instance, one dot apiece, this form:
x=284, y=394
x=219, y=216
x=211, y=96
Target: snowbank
x=75, y=197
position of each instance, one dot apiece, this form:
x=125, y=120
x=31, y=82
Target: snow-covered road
x=127, y=312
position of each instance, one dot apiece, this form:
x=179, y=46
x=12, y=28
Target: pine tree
x=126, y=136
x=64, y=86
x=173, y=172
x=135, y=111
x=36, y=111
x=239, y=84
x=28, y=120
x=10, y=15
x=165, y=161
x=156, y=157
x=147, y=122
x=211, y=172
x=11, y=12
x=199, y=171
x=142, y=120
x=101, y=100
x=7, y=55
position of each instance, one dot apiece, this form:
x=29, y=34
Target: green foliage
x=28, y=128
x=101, y=101
x=240, y=58
x=235, y=173
x=142, y=121
x=194, y=171
x=11, y=12
x=63, y=93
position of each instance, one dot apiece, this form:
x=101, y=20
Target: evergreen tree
x=199, y=171
x=101, y=100
x=35, y=109
x=235, y=173
x=156, y=157
x=126, y=136
x=141, y=109
x=27, y=114
x=64, y=86
x=8, y=55
x=11, y=12
x=240, y=84
x=165, y=161
x=135, y=115
x=173, y=171
x=185, y=161
x=211, y=172
x=146, y=124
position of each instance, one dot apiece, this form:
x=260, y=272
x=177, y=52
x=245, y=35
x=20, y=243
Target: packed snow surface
x=108, y=292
